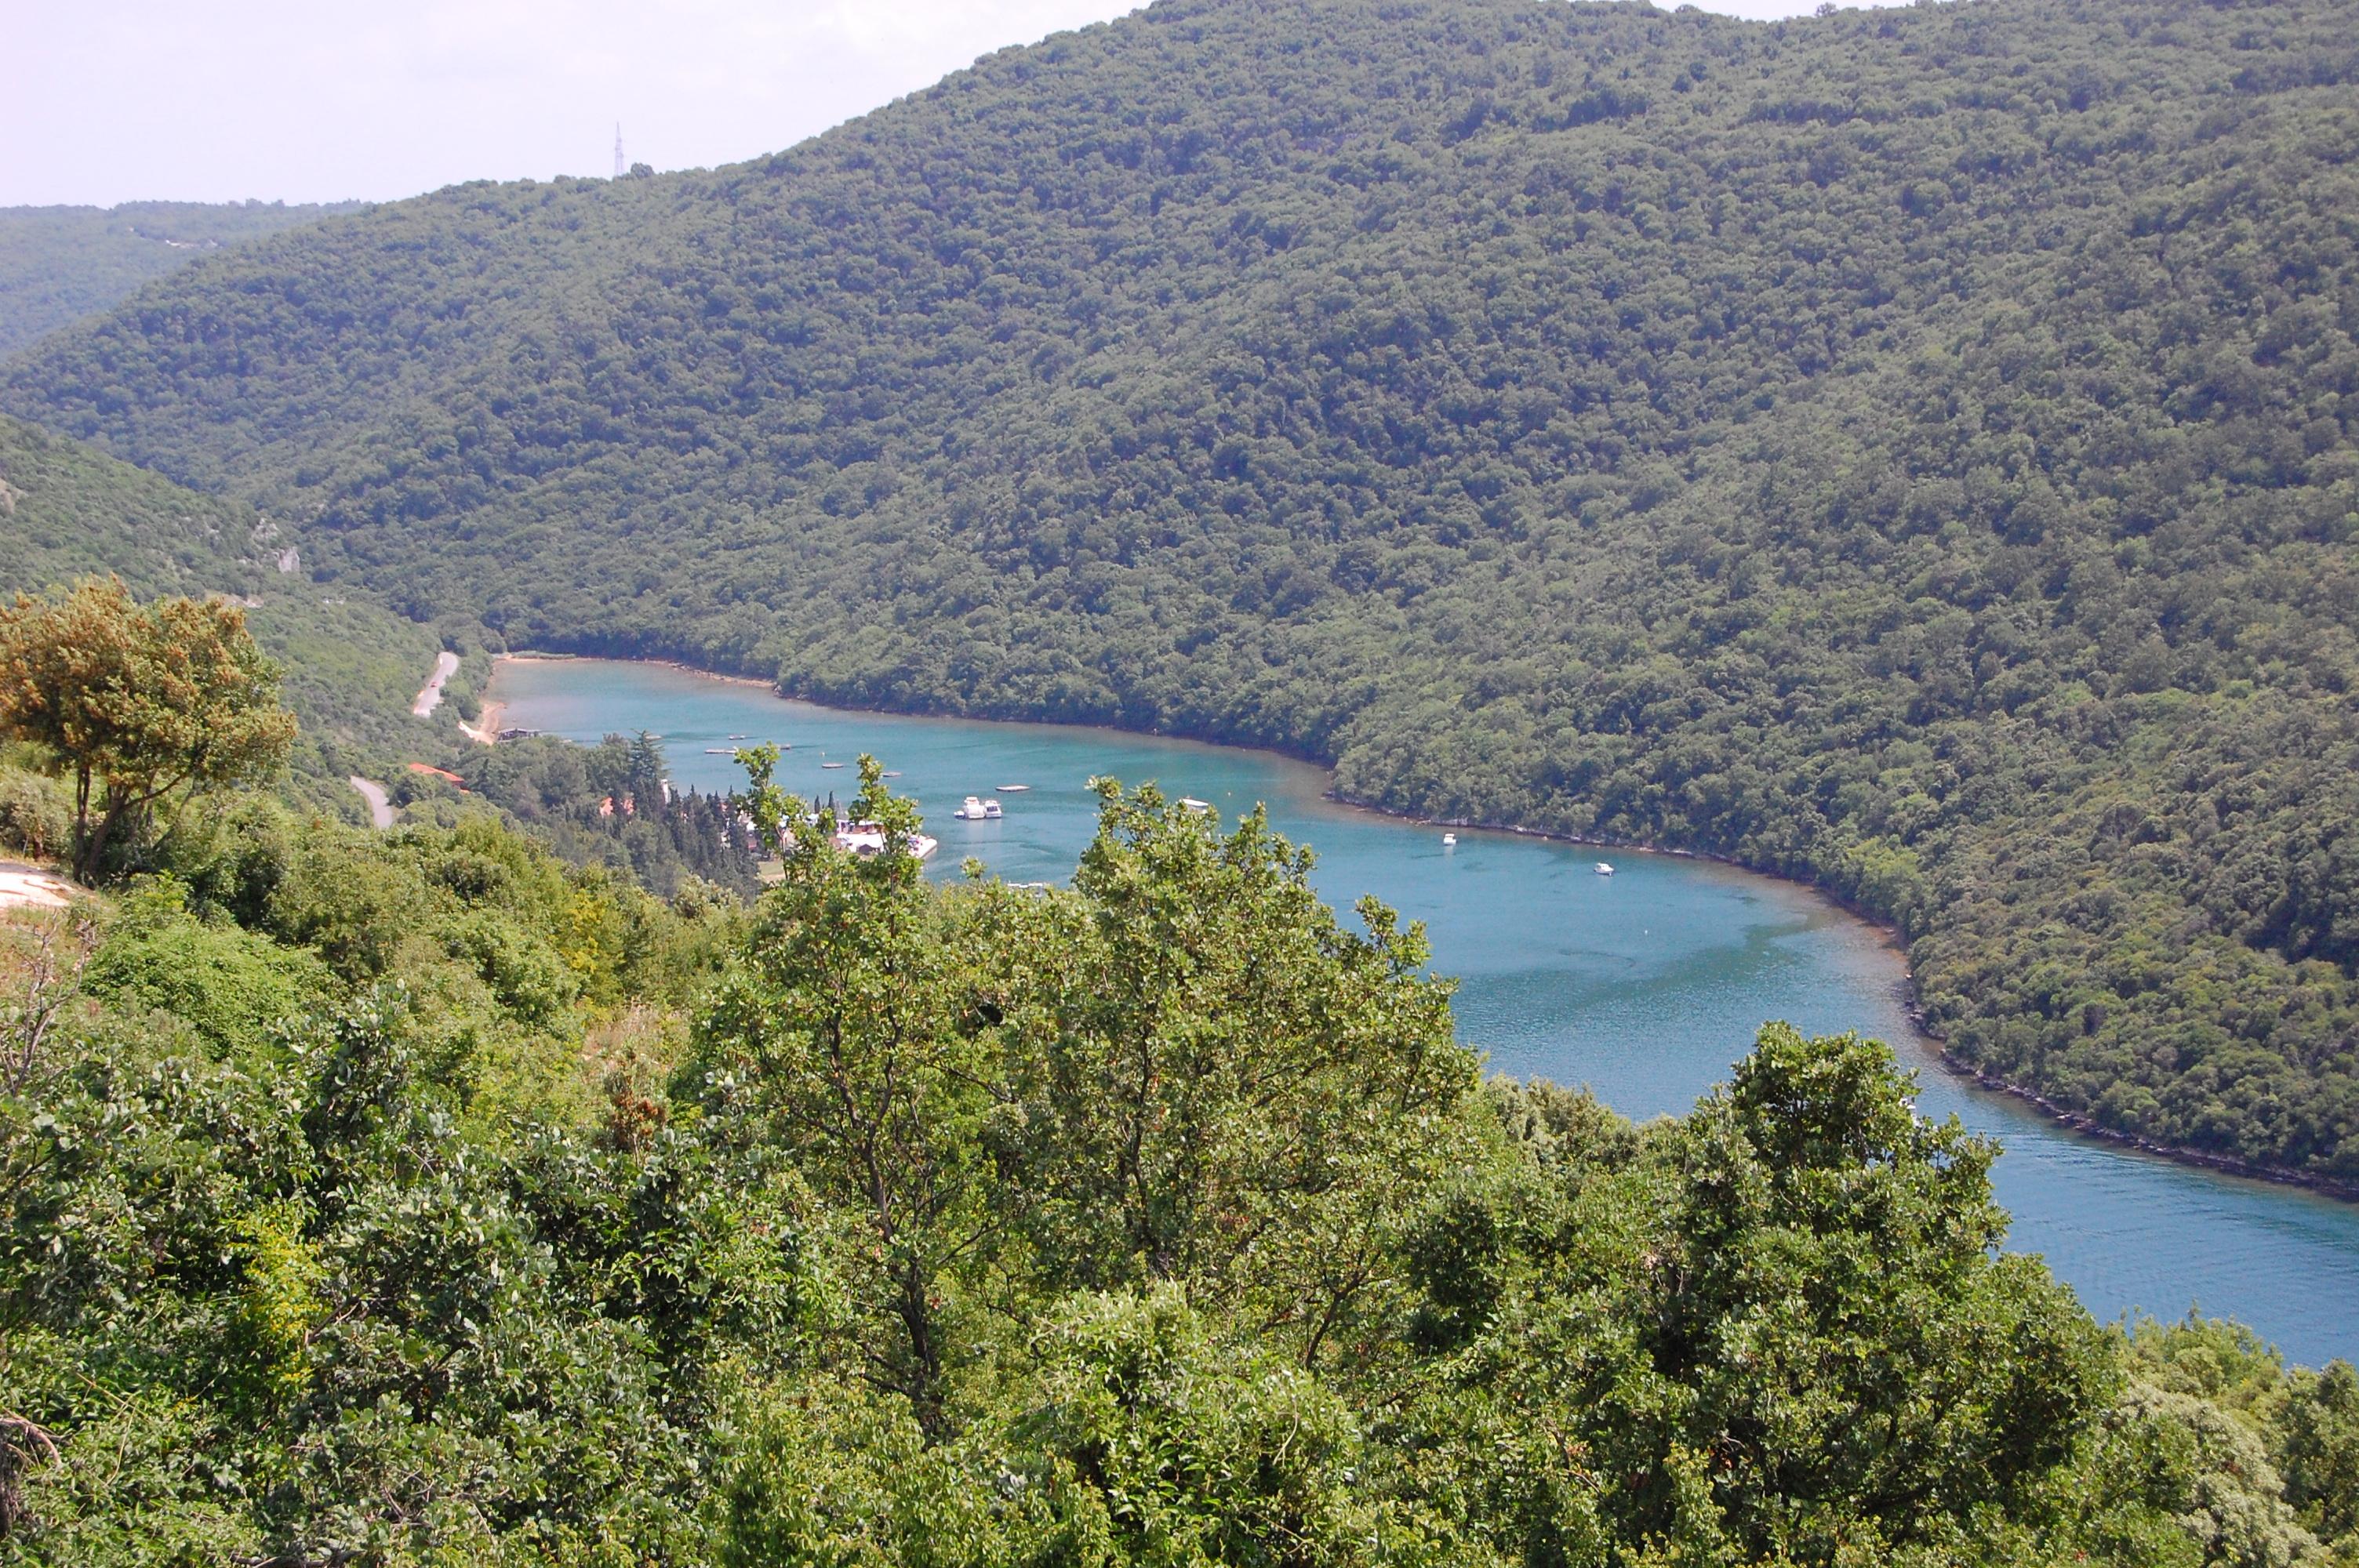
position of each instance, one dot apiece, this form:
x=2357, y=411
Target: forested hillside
x=352, y=666
x=1907, y=449
x=60, y=264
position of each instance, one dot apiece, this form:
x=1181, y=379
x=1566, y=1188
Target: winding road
x=429, y=696
x=380, y=806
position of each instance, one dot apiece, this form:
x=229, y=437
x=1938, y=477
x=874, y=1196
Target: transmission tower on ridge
x=620, y=168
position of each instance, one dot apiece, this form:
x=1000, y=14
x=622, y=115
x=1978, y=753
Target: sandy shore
x=485, y=730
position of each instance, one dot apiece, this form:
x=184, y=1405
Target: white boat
x=890, y=774
x=830, y=764
x=737, y=736
x=1450, y=840
x=1190, y=803
x=1603, y=870
x=1013, y=789
x=719, y=752
x=990, y=812
x=971, y=810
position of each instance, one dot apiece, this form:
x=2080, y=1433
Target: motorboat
x=719, y=752
x=1603, y=870
x=1450, y=840
x=830, y=764
x=1013, y=789
x=1190, y=803
x=976, y=809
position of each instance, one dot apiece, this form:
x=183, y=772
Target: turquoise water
x=1644, y=985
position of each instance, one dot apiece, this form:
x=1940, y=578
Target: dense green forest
x=1910, y=449
x=353, y=667
x=414, y=1197
x=60, y=264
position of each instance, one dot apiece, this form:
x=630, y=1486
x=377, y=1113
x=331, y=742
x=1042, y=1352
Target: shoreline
x=2070, y=1120
x=485, y=730
x=1888, y=935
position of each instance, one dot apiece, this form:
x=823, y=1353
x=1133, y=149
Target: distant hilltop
x=59, y=263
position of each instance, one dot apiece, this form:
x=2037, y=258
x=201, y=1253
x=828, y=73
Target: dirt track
x=24, y=886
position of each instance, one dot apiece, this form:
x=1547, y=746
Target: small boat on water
x=990, y=812
x=1603, y=870
x=975, y=809
x=738, y=737
x=1013, y=789
x=830, y=764
x=719, y=752
x=890, y=774
x=1190, y=803
x=1450, y=840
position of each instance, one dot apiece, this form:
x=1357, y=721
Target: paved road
x=429, y=696
x=380, y=808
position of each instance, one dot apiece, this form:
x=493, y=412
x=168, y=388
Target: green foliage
x=612, y=805
x=1776, y=1331
x=36, y=815
x=60, y=264
x=141, y=703
x=350, y=669
x=1909, y=449
x=415, y=1197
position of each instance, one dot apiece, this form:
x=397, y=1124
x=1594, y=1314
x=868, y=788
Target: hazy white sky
x=113, y=101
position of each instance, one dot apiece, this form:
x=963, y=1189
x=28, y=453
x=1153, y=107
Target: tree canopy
x=413, y=1198
x=141, y=702
x=60, y=264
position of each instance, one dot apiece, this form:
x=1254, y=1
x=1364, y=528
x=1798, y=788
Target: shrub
x=35, y=818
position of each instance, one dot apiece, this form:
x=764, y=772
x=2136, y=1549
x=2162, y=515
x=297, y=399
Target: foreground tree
x=837, y=1043
x=1213, y=1082
x=1778, y=1329
x=141, y=702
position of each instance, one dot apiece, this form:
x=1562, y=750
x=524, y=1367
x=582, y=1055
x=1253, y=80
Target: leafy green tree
x=142, y=703
x=1776, y=1331
x=2320, y=1454
x=476, y=1223
x=837, y=1040
x=1211, y=1081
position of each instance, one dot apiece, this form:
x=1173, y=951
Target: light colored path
x=380, y=808
x=486, y=728
x=30, y=887
x=446, y=665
